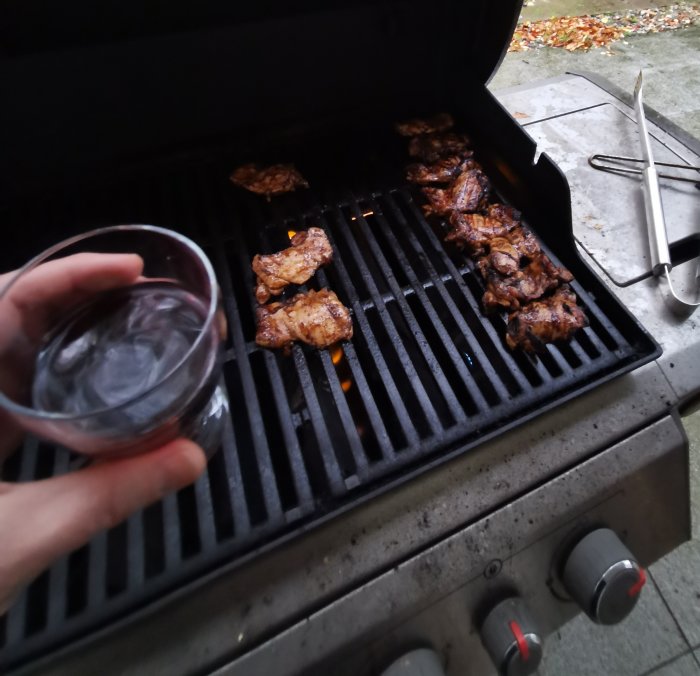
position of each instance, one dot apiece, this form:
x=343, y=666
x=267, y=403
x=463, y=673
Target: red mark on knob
x=637, y=586
x=523, y=647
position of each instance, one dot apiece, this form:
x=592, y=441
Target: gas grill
x=388, y=492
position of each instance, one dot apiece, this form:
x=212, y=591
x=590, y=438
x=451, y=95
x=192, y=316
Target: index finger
x=72, y=277
x=54, y=286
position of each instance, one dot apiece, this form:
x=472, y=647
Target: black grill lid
x=93, y=83
x=41, y=25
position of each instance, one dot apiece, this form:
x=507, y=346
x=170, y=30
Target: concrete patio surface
x=543, y=9
x=671, y=63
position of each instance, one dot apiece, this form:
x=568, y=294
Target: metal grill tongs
x=618, y=164
x=656, y=224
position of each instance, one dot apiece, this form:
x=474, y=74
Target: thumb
x=42, y=520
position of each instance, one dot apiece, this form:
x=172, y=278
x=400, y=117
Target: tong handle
x=617, y=164
x=656, y=224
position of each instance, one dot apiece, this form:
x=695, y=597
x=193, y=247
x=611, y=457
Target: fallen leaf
x=600, y=30
x=520, y=116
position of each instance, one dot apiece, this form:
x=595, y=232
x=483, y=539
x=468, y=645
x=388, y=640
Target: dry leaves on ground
x=585, y=32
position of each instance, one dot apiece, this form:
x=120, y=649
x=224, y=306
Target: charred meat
x=273, y=180
x=508, y=254
x=474, y=232
x=544, y=321
x=519, y=277
x=431, y=147
x=317, y=318
x=296, y=265
x=416, y=127
x=469, y=192
x=511, y=292
x=442, y=171
x=504, y=214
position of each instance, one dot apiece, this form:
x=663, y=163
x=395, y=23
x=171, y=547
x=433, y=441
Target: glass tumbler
x=108, y=358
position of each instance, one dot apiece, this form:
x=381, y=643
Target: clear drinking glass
x=121, y=369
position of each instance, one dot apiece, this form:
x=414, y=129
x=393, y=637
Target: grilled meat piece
x=474, y=232
x=317, y=318
x=506, y=255
x=416, y=127
x=431, y=147
x=504, y=213
x=273, y=180
x=544, y=321
x=310, y=250
x=442, y=171
x=511, y=292
x=467, y=193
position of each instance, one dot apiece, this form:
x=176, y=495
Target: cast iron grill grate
x=426, y=376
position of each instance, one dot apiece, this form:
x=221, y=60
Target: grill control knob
x=512, y=639
x=603, y=577
x=421, y=662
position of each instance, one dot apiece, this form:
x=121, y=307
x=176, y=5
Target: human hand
x=42, y=520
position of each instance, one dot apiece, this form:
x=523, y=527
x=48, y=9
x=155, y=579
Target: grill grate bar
x=234, y=479
x=205, y=512
x=587, y=370
x=268, y=480
x=29, y=459
x=596, y=344
x=299, y=476
x=360, y=318
x=578, y=353
x=15, y=621
x=58, y=575
x=499, y=355
x=172, y=541
x=457, y=411
x=325, y=446
x=560, y=366
x=417, y=386
x=596, y=313
x=58, y=580
x=534, y=363
x=368, y=403
x=349, y=426
x=437, y=282
x=97, y=570
x=410, y=291
x=136, y=566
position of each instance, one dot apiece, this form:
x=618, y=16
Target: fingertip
x=90, y=272
x=135, y=263
x=186, y=462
